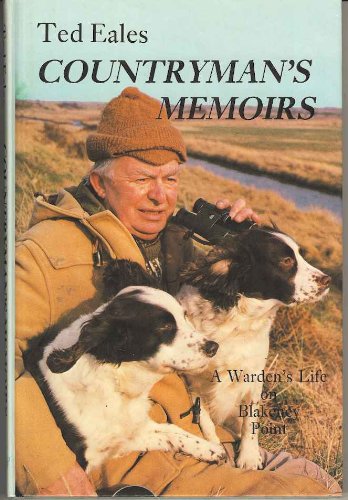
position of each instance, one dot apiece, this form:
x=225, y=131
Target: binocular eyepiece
x=211, y=223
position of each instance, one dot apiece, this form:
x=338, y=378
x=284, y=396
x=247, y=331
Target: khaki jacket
x=56, y=275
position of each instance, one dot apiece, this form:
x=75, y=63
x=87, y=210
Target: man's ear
x=97, y=184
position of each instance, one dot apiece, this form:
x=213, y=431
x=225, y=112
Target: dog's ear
x=220, y=283
x=61, y=360
x=221, y=267
x=105, y=335
x=219, y=276
x=93, y=333
x=274, y=225
x=213, y=278
x=220, y=260
x=122, y=273
x=216, y=262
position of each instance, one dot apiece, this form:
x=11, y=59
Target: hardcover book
x=174, y=190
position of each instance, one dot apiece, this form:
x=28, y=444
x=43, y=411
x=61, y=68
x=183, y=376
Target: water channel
x=303, y=197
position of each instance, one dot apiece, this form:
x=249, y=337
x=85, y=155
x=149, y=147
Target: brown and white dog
x=232, y=296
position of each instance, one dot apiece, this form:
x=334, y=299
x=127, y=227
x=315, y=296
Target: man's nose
x=157, y=193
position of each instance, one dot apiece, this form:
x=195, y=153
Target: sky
x=221, y=30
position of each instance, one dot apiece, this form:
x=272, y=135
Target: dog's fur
x=232, y=296
x=97, y=372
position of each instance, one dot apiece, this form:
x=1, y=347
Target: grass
x=49, y=157
x=322, y=140
x=301, y=340
x=304, y=152
x=301, y=153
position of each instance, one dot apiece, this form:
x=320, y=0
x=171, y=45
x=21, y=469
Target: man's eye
x=171, y=179
x=141, y=179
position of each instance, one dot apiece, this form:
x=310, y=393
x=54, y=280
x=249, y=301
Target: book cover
x=121, y=114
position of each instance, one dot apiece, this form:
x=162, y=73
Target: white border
x=10, y=218
x=10, y=198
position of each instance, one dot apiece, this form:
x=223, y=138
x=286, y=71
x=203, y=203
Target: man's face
x=142, y=196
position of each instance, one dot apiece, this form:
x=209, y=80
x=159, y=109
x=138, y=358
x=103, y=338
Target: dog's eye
x=287, y=262
x=167, y=332
x=167, y=327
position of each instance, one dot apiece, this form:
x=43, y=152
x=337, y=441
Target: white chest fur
x=243, y=335
x=105, y=403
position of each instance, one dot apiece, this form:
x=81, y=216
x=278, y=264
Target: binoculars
x=211, y=223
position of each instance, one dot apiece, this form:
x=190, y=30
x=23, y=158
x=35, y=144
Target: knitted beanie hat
x=128, y=127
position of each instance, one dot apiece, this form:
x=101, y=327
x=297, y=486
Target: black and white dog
x=97, y=372
x=232, y=296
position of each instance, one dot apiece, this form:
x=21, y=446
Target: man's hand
x=238, y=210
x=74, y=483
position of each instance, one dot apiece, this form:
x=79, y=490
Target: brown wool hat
x=128, y=127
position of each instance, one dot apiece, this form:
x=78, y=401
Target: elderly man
x=120, y=211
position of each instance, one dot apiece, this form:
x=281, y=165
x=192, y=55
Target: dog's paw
x=249, y=457
x=217, y=453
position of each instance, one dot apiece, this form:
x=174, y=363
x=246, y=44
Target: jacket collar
x=101, y=223
x=86, y=197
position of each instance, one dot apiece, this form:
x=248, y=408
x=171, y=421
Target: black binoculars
x=211, y=223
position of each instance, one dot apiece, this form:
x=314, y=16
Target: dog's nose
x=324, y=280
x=210, y=348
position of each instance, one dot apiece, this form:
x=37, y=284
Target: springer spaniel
x=96, y=373
x=232, y=296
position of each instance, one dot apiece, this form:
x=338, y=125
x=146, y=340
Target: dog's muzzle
x=323, y=281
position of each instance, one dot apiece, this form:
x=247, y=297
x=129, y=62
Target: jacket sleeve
x=42, y=455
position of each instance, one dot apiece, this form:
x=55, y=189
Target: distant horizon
x=105, y=102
